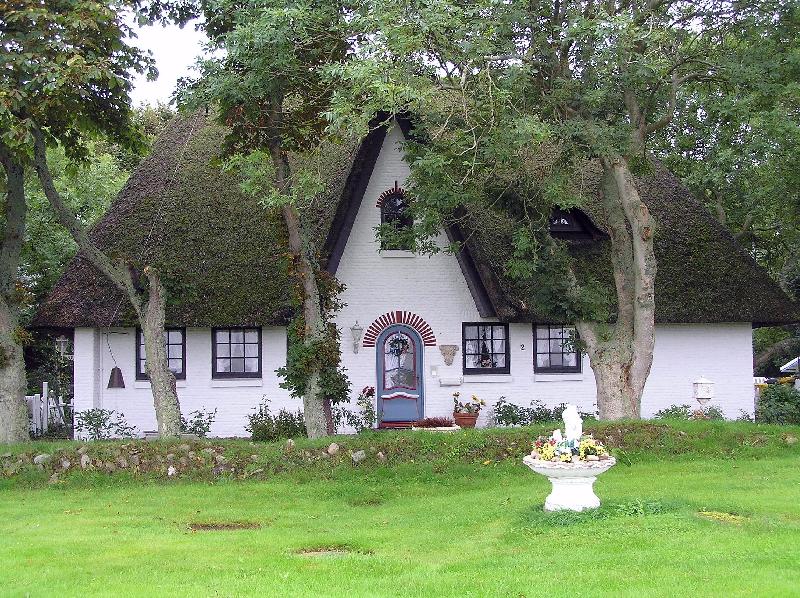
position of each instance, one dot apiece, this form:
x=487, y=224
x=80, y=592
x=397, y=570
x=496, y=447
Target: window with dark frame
x=395, y=212
x=555, y=349
x=485, y=348
x=175, y=340
x=236, y=352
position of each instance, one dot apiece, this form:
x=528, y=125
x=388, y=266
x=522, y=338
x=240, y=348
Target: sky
x=174, y=50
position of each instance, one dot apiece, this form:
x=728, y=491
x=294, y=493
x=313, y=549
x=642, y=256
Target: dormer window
x=396, y=214
x=573, y=225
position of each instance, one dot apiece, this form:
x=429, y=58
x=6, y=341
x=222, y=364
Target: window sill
x=146, y=383
x=488, y=378
x=233, y=382
x=396, y=253
x=566, y=377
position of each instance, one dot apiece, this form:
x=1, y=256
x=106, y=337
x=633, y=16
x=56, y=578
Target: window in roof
x=564, y=222
x=555, y=349
x=395, y=212
x=485, y=348
x=236, y=352
x=175, y=340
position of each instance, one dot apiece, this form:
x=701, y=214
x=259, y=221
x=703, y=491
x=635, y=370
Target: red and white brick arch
x=388, y=193
x=407, y=318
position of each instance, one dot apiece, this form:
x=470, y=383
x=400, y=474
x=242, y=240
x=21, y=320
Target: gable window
x=236, y=352
x=395, y=213
x=175, y=340
x=555, y=349
x=485, y=348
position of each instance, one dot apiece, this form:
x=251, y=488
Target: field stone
x=289, y=445
x=170, y=457
x=219, y=458
x=333, y=449
x=184, y=448
x=191, y=454
x=82, y=450
x=358, y=457
x=65, y=463
x=122, y=462
x=791, y=439
x=381, y=457
x=41, y=459
x=171, y=471
x=209, y=451
x=86, y=461
x=53, y=479
x=135, y=460
x=254, y=458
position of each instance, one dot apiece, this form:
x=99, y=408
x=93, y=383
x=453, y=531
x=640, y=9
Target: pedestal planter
x=465, y=420
x=572, y=482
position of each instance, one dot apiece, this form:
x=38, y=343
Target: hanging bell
x=115, y=380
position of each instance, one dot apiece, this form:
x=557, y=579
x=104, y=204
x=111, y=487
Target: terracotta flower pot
x=465, y=420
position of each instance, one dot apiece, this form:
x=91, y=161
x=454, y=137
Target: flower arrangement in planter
x=466, y=413
x=556, y=448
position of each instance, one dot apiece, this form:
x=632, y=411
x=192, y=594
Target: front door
x=400, y=391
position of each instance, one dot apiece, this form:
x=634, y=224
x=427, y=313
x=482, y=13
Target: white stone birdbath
x=573, y=483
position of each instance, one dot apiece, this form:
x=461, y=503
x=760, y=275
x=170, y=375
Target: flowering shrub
x=473, y=406
x=559, y=449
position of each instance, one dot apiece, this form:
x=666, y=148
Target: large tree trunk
x=149, y=307
x=13, y=410
x=162, y=380
x=621, y=353
x=315, y=329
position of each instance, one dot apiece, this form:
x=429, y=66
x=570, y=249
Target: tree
x=516, y=101
x=270, y=89
x=66, y=78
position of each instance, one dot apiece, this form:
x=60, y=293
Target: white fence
x=44, y=411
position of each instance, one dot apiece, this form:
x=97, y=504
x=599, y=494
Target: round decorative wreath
x=398, y=345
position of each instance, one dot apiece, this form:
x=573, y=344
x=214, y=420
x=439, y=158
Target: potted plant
x=466, y=414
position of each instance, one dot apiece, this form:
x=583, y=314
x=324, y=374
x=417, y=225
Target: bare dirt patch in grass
x=333, y=550
x=223, y=526
x=723, y=517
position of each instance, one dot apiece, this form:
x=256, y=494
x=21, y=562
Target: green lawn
x=412, y=529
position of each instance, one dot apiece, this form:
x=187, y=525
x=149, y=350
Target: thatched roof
x=223, y=256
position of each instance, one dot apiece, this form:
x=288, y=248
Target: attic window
x=564, y=222
x=395, y=212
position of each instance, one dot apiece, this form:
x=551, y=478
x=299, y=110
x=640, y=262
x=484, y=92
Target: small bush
x=198, y=422
x=510, y=414
x=434, y=422
x=778, y=404
x=102, y=424
x=267, y=427
x=362, y=419
x=685, y=413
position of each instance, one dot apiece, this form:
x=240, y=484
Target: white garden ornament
x=572, y=469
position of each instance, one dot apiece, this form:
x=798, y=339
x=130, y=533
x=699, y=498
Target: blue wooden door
x=399, y=389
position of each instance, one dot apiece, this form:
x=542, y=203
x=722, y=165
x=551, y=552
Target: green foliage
x=263, y=426
x=102, y=424
x=778, y=404
x=505, y=413
x=198, y=422
x=363, y=418
x=687, y=412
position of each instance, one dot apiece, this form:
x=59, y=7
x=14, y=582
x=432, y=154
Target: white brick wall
x=433, y=288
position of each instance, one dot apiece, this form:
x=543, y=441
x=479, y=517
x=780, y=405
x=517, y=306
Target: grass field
x=670, y=526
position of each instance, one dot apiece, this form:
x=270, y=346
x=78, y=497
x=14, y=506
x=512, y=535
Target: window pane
x=570, y=360
x=499, y=346
x=497, y=332
x=555, y=346
x=237, y=336
x=500, y=360
x=251, y=364
x=175, y=337
x=237, y=350
x=223, y=365
x=542, y=332
x=556, y=360
x=251, y=336
x=237, y=365
x=223, y=336
x=472, y=347
x=143, y=366
x=543, y=360
x=175, y=351
x=251, y=350
x=471, y=332
x=176, y=365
